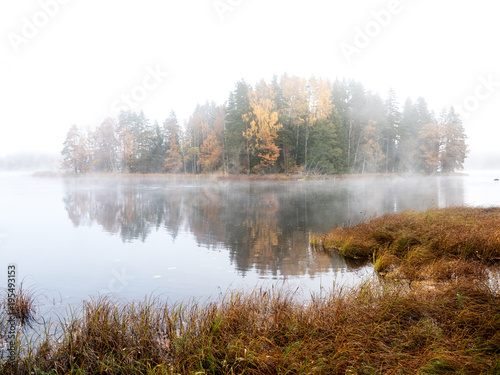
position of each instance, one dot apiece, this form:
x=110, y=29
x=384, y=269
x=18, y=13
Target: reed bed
x=438, y=244
x=376, y=328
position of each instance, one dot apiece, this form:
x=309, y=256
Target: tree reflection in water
x=263, y=225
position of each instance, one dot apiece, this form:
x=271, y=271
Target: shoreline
x=236, y=177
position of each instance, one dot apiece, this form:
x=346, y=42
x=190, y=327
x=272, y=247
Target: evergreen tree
x=158, y=149
x=327, y=146
x=136, y=138
x=453, y=149
x=319, y=107
x=372, y=158
x=357, y=120
x=294, y=116
x=408, y=133
x=174, y=160
x=390, y=131
x=237, y=147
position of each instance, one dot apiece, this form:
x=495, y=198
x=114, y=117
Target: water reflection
x=263, y=225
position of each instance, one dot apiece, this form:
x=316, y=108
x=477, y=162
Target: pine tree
x=371, y=156
x=408, y=133
x=237, y=148
x=158, y=149
x=390, y=131
x=293, y=118
x=357, y=120
x=320, y=107
x=135, y=134
x=327, y=146
x=454, y=149
x=173, y=162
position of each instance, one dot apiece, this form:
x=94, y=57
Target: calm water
x=79, y=237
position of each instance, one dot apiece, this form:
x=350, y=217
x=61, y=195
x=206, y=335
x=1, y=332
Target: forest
x=287, y=125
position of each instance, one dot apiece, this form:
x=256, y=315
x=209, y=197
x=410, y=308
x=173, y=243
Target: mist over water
x=74, y=238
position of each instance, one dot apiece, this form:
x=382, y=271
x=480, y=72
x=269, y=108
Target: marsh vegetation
x=378, y=327
x=436, y=311
x=437, y=244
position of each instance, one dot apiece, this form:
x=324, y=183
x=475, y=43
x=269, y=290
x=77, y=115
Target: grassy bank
x=438, y=244
x=373, y=329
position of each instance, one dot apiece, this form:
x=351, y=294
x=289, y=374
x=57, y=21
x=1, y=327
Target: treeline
x=288, y=125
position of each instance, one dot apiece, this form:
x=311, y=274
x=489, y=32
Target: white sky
x=86, y=54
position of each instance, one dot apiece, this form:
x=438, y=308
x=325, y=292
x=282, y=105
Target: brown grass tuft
x=23, y=308
x=440, y=244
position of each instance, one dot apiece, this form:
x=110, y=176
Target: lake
x=73, y=238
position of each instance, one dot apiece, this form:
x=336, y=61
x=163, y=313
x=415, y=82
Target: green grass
x=438, y=244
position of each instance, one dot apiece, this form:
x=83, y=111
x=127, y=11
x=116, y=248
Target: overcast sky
x=67, y=62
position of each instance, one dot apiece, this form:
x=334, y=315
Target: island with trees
x=288, y=125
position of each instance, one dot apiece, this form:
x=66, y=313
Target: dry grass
x=373, y=329
x=23, y=309
x=438, y=244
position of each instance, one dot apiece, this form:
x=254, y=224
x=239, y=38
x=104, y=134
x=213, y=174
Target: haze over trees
x=290, y=124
